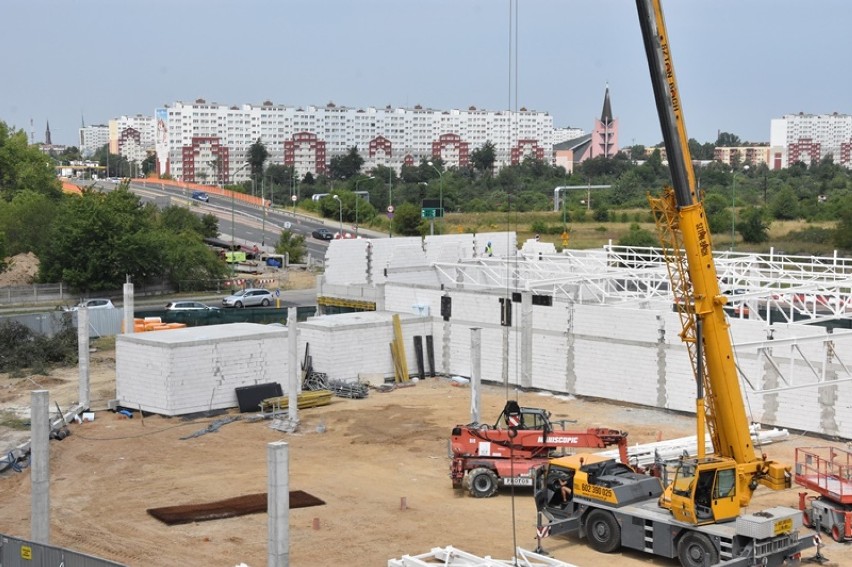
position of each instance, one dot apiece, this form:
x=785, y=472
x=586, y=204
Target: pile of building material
x=303, y=400
x=452, y=557
x=669, y=451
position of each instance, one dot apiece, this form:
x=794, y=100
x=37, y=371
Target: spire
x=82, y=120
x=47, y=135
x=606, y=114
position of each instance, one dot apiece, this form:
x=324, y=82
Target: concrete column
x=40, y=475
x=278, y=504
x=526, y=339
x=292, y=366
x=83, y=356
x=128, y=308
x=446, y=337
x=475, y=373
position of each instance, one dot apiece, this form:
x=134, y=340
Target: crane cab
x=704, y=491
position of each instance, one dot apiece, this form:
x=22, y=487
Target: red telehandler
x=485, y=456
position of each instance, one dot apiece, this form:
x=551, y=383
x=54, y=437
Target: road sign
x=287, y=225
x=294, y=198
x=431, y=213
x=390, y=208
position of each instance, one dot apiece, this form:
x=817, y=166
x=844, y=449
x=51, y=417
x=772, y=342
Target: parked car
x=249, y=298
x=189, y=306
x=323, y=234
x=200, y=196
x=93, y=304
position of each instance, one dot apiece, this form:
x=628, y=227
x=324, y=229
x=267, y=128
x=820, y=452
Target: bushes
x=22, y=348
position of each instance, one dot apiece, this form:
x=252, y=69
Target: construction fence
x=16, y=552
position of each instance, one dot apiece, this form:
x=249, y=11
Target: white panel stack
x=181, y=371
x=535, y=248
x=346, y=261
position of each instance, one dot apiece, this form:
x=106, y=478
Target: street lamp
x=356, y=201
x=734, y=204
x=339, y=202
x=440, y=195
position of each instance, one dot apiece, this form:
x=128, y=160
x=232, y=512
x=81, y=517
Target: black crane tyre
x=603, y=531
x=265, y=303
x=482, y=482
x=696, y=550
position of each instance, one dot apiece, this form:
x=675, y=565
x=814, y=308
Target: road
x=243, y=222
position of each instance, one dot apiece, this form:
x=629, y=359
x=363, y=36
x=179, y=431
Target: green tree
x=346, y=166
x=843, y=232
x=178, y=219
x=752, y=226
x=784, y=205
x=406, y=220
x=639, y=237
x=27, y=209
x=483, y=158
x=24, y=168
x=726, y=139
x=257, y=156
x=210, y=226
x=293, y=245
x=149, y=165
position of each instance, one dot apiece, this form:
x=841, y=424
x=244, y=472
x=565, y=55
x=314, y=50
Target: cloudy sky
x=739, y=64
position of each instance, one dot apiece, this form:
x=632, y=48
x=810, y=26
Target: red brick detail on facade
x=189, y=155
x=526, y=148
x=381, y=146
x=777, y=160
x=845, y=153
x=805, y=150
x=127, y=135
x=408, y=160
x=306, y=143
x=460, y=148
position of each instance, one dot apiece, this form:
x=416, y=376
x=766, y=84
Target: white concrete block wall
x=392, y=253
x=342, y=347
x=346, y=261
x=192, y=374
x=449, y=247
x=504, y=244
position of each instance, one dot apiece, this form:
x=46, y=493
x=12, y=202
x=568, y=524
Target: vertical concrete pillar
x=526, y=339
x=128, y=308
x=446, y=337
x=292, y=366
x=278, y=504
x=83, y=356
x=40, y=475
x=475, y=372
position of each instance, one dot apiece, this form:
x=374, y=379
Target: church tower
x=605, y=134
x=47, y=141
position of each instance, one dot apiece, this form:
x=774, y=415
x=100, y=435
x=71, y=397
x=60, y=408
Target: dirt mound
x=21, y=269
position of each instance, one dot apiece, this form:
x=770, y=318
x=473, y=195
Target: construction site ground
x=379, y=463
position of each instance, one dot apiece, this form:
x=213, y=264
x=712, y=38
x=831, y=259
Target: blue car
x=200, y=196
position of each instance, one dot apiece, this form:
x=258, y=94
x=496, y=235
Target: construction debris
x=213, y=427
x=452, y=557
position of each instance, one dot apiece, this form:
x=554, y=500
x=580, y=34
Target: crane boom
x=680, y=214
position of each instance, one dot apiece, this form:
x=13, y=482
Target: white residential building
x=210, y=141
x=93, y=138
x=809, y=138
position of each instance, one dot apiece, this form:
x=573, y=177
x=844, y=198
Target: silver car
x=189, y=306
x=249, y=298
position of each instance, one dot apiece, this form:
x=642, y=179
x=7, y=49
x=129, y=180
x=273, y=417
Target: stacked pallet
x=152, y=324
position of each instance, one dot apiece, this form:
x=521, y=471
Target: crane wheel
x=696, y=550
x=603, y=531
x=482, y=482
x=806, y=519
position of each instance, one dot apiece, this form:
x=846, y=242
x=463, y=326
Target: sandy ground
x=362, y=457
x=21, y=269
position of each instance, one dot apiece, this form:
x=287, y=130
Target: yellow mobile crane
x=697, y=517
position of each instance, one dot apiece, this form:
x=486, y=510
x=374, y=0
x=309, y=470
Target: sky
x=738, y=63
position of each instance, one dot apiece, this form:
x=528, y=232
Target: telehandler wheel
x=806, y=519
x=482, y=482
x=696, y=550
x=603, y=531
